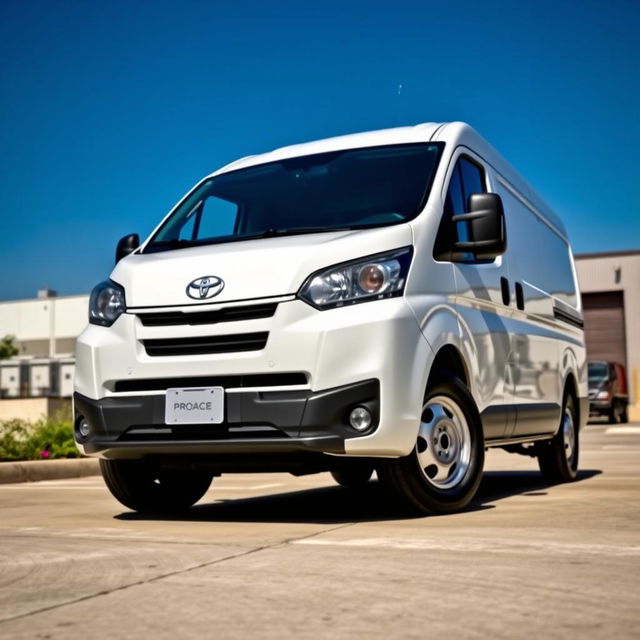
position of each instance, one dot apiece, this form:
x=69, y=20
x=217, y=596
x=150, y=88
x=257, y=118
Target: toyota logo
x=205, y=287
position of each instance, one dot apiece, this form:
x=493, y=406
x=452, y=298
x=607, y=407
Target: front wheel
x=558, y=457
x=443, y=472
x=147, y=489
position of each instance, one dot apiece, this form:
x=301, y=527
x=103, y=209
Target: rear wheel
x=148, y=489
x=443, y=472
x=354, y=476
x=558, y=457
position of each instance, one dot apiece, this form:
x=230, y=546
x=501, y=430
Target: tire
x=624, y=416
x=611, y=415
x=558, y=457
x=141, y=487
x=443, y=472
x=354, y=476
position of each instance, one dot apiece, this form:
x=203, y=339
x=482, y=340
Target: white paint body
x=512, y=357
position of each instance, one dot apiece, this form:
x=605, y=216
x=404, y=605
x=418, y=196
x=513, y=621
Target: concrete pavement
x=275, y=556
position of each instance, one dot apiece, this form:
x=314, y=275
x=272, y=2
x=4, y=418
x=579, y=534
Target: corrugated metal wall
x=604, y=326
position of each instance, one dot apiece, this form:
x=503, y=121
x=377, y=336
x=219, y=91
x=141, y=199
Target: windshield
x=598, y=370
x=350, y=189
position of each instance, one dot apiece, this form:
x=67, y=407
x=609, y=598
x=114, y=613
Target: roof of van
x=454, y=134
x=397, y=135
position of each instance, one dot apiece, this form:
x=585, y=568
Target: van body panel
x=538, y=286
x=483, y=319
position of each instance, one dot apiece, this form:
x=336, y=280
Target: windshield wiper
x=272, y=233
x=174, y=244
x=268, y=233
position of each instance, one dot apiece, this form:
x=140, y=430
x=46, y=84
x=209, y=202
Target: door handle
x=519, y=296
x=506, y=293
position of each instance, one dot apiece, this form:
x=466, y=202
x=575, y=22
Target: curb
x=35, y=470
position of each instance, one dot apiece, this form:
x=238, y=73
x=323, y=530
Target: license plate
x=194, y=406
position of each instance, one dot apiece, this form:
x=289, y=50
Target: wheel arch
x=571, y=377
x=441, y=328
x=448, y=361
x=571, y=387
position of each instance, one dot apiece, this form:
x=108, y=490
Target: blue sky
x=110, y=111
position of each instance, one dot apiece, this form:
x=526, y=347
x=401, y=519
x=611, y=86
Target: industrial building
x=46, y=327
x=610, y=286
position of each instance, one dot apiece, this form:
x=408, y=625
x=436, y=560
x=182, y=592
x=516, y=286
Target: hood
x=251, y=269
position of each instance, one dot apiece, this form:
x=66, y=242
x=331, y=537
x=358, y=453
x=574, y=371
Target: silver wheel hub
x=444, y=443
x=569, y=435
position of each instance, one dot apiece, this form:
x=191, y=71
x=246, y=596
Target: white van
x=395, y=301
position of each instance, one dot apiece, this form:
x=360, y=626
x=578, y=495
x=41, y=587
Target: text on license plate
x=194, y=406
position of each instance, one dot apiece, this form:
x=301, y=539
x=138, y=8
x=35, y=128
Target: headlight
x=106, y=303
x=379, y=276
x=602, y=395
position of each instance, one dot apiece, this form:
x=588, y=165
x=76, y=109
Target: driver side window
x=467, y=178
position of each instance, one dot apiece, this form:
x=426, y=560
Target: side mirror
x=127, y=245
x=487, y=231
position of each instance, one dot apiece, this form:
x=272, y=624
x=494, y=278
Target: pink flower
x=44, y=454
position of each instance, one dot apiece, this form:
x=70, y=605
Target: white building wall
x=32, y=320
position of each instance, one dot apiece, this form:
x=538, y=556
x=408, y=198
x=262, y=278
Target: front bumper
x=255, y=422
x=328, y=351
x=598, y=407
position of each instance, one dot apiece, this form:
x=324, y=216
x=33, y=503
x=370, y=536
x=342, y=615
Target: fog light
x=360, y=419
x=84, y=429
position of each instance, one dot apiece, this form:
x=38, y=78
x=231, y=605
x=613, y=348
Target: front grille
x=206, y=344
x=226, y=382
x=228, y=314
x=161, y=433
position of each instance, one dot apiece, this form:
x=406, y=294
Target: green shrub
x=47, y=438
